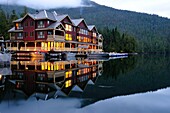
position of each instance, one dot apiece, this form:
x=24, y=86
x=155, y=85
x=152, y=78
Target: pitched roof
x=61, y=17
x=54, y=25
x=90, y=27
x=12, y=29
x=44, y=15
x=40, y=15
x=77, y=21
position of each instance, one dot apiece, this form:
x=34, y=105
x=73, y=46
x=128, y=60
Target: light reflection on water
x=117, y=85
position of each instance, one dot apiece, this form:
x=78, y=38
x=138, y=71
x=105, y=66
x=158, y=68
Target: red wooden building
x=47, y=31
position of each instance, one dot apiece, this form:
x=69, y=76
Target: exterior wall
x=73, y=32
x=28, y=29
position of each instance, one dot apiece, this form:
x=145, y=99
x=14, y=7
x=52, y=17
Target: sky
x=44, y=4
x=158, y=7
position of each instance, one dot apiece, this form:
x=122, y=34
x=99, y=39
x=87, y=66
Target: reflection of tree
x=137, y=74
x=114, y=68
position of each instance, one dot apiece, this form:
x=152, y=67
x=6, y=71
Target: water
x=125, y=85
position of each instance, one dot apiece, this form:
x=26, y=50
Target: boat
x=113, y=54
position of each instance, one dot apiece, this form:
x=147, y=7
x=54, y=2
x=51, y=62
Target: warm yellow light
x=68, y=83
x=0, y=77
x=16, y=24
x=42, y=67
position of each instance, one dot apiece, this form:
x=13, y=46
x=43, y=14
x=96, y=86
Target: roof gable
x=92, y=28
x=21, y=19
x=80, y=22
x=56, y=25
x=64, y=19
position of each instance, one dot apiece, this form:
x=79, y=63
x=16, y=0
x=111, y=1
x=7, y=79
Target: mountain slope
x=142, y=26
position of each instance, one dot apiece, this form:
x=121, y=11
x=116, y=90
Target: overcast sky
x=159, y=7
x=44, y=4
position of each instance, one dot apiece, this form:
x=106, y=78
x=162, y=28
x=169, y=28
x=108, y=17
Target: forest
x=123, y=31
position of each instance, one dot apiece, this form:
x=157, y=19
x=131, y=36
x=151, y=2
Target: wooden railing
x=57, y=37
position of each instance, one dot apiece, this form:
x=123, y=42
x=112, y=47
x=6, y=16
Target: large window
x=31, y=23
x=26, y=34
x=68, y=27
x=68, y=83
x=83, y=31
x=31, y=34
x=94, y=34
x=26, y=24
x=41, y=34
x=41, y=24
x=68, y=74
x=20, y=36
x=68, y=37
x=18, y=26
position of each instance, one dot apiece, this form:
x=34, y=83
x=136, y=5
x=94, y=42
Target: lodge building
x=48, y=31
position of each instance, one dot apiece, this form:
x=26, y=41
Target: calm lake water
x=137, y=84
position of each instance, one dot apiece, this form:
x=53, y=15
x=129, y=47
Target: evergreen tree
x=25, y=11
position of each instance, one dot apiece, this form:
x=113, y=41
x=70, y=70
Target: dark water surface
x=137, y=84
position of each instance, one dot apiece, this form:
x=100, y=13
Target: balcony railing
x=21, y=37
x=56, y=38
x=20, y=28
x=40, y=26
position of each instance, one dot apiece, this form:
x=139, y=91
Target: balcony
x=56, y=38
x=21, y=37
x=40, y=26
x=20, y=28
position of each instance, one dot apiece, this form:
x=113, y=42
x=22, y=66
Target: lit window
x=68, y=83
x=48, y=22
x=18, y=26
x=68, y=37
x=68, y=74
x=94, y=34
x=68, y=27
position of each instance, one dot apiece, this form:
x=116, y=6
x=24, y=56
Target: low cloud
x=43, y=4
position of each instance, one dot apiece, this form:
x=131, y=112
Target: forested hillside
x=152, y=33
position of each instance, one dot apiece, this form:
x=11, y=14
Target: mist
x=44, y=4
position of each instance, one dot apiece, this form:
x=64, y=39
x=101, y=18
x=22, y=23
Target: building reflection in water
x=46, y=80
